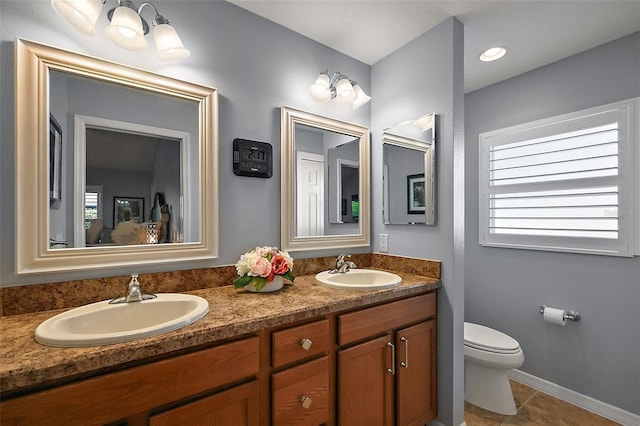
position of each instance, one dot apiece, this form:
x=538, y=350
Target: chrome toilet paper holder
x=568, y=315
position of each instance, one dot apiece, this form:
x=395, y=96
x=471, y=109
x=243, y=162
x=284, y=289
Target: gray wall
x=598, y=356
x=256, y=65
x=432, y=83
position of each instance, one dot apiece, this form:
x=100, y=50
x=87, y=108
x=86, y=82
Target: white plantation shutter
x=561, y=184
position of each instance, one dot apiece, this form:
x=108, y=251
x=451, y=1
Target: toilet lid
x=485, y=338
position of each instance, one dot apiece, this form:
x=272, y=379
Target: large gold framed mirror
x=100, y=143
x=325, y=182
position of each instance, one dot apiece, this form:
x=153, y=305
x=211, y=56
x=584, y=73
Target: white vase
x=274, y=285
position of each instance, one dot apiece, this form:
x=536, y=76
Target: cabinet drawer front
x=358, y=325
x=289, y=345
x=235, y=406
x=290, y=387
x=110, y=397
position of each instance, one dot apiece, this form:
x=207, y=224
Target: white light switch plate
x=384, y=243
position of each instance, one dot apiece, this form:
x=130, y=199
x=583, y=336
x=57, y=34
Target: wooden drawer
x=359, y=325
x=289, y=387
x=235, y=406
x=289, y=345
x=113, y=396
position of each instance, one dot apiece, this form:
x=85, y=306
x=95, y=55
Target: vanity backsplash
x=45, y=297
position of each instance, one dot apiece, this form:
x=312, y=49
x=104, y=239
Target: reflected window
x=92, y=204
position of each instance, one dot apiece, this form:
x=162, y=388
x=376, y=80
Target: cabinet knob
x=306, y=344
x=305, y=401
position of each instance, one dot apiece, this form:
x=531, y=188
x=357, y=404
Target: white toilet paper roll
x=554, y=316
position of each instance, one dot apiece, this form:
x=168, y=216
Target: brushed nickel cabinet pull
x=405, y=363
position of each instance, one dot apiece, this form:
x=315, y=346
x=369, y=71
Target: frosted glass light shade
x=125, y=29
x=361, y=97
x=344, y=92
x=168, y=44
x=82, y=14
x=320, y=89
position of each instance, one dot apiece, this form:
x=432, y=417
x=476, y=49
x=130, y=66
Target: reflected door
x=309, y=194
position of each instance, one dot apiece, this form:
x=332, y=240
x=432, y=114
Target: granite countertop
x=26, y=364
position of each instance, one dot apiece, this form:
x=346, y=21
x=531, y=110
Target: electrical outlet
x=384, y=243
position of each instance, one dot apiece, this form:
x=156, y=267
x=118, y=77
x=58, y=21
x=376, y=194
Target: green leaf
x=242, y=281
x=259, y=283
x=289, y=275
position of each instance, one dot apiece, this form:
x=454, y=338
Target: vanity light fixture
x=340, y=88
x=127, y=28
x=493, y=54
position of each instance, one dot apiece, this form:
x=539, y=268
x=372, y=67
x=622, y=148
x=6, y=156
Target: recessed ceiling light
x=493, y=54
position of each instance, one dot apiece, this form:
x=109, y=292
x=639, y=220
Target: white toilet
x=488, y=357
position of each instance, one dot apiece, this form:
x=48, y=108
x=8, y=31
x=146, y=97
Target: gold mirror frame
x=33, y=255
x=288, y=239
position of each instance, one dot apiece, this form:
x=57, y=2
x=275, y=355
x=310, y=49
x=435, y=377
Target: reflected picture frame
x=55, y=163
x=120, y=204
x=416, y=195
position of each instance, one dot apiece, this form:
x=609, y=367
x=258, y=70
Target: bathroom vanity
x=307, y=355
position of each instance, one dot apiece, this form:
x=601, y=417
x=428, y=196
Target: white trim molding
x=600, y=408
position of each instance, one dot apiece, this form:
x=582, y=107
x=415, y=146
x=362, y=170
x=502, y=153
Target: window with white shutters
x=562, y=184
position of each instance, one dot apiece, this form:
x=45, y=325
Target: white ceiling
x=536, y=32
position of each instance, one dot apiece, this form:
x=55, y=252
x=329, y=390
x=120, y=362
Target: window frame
x=627, y=114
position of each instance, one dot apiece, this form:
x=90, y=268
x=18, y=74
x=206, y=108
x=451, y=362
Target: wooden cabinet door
x=365, y=386
x=416, y=393
x=237, y=406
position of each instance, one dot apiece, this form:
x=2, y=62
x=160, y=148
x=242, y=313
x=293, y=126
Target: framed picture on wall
x=416, y=194
x=55, y=163
x=128, y=209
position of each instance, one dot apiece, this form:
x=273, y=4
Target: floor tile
x=534, y=409
x=476, y=416
x=545, y=410
x=521, y=393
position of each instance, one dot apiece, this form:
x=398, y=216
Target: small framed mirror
x=325, y=182
x=408, y=172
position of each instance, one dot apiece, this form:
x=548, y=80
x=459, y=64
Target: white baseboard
x=600, y=408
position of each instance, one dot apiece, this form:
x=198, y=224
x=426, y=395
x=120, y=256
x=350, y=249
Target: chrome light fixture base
x=127, y=27
x=340, y=88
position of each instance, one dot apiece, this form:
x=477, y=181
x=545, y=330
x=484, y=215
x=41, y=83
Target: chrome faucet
x=134, y=293
x=343, y=265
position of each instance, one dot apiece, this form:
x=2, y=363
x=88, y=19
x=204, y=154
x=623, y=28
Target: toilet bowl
x=489, y=355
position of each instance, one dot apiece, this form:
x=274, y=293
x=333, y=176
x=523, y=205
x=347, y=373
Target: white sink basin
x=102, y=324
x=359, y=279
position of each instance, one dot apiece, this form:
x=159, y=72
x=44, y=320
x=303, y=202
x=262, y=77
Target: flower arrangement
x=260, y=265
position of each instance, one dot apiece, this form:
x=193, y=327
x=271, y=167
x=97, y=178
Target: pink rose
x=261, y=268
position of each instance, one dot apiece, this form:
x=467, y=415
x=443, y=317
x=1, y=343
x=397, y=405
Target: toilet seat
x=487, y=339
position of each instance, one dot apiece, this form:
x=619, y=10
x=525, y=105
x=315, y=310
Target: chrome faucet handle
x=340, y=260
x=343, y=265
x=134, y=293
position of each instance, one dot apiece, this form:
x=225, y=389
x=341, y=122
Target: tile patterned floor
x=535, y=408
